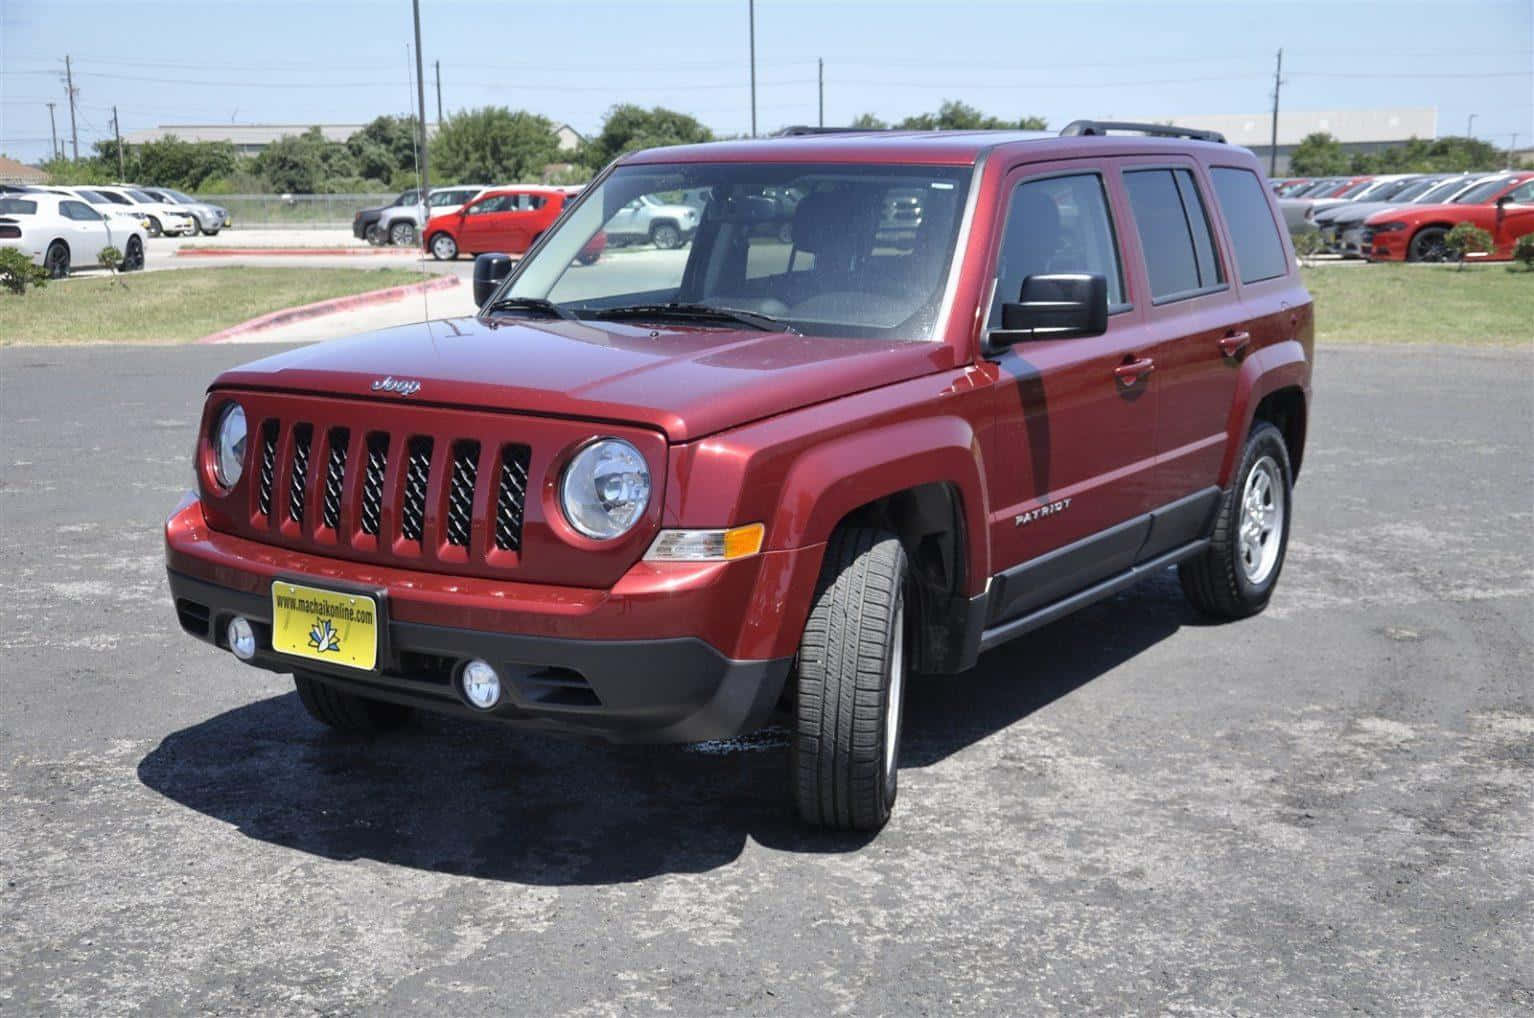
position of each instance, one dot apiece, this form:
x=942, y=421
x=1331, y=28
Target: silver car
x=648, y=218
x=209, y=218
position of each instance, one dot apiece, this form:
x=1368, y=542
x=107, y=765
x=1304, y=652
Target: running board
x=1001, y=633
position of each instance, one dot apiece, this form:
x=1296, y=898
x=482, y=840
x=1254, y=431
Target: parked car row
x=61, y=228
x=1408, y=217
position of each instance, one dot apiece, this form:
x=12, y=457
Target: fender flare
x=1280, y=366
x=834, y=478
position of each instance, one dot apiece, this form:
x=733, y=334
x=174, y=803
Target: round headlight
x=605, y=489
x=229, y=445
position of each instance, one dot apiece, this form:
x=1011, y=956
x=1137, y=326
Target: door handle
x=1131, y=372
x=1233, y=343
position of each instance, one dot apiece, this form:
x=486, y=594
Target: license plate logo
x=325, y=625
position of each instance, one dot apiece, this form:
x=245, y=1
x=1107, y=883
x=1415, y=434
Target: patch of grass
x=174, y=306
x=1485, y=305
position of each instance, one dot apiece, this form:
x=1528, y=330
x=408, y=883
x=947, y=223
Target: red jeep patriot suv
x=659, y=497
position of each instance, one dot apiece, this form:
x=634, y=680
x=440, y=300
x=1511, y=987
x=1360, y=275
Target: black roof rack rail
x=1102, y=127
x=804, y=130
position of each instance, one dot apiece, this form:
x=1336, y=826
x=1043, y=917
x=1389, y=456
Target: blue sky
x=334, y=61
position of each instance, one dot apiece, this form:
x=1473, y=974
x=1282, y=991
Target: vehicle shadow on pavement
x=453, y=796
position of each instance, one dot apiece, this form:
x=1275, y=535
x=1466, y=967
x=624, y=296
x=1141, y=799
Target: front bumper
x=667, y=686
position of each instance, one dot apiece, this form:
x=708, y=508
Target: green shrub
x=1466, y=239
x=1523, y=250
x=1308, y=243
x=17, y=271
x=111, y=259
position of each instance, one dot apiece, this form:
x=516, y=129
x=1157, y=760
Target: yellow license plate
x=325, y=625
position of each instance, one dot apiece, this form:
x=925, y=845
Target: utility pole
x=751, y=14
x=53, y=151
x=1470, y=126
x=420, y=100
x=820, y=66
x=69, y=85
x=122, y=173
x=1278, y=81
x=439, y=93
x=1511, y=148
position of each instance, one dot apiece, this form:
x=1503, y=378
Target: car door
x=88, y=232
x=482, y=224
x=1198, y=331
x=1515, y=218
x=1075, y=417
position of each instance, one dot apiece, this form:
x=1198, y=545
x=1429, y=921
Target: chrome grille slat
x=268, y=468
x=460, y=493
x=302, y=435
x=335, y=474
x=510, y=498
x=373, y=483
x=417, y=474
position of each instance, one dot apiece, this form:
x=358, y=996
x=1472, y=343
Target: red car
x=506, y=219
x=1502, y=206
x=772, y=476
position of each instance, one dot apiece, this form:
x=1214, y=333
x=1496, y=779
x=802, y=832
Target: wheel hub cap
x=1261, y=526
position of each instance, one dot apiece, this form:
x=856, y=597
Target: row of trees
x=1321, y=155
x=493, y=144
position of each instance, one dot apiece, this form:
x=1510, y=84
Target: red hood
x=686, y=382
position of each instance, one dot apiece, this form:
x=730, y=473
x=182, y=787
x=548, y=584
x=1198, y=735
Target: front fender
x=1279, y=366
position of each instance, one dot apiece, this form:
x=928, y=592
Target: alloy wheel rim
x=444, y=248
x=665, y=237
x=1260, y=529
x=895, y=698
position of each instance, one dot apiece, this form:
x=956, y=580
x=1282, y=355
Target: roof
x=13, y=172
x=931, y=148
x=1347, y=126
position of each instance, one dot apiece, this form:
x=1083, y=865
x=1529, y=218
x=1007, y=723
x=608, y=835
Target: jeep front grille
x=268, y=468
x=460, y=493
x=510, y=498
x=412, y=519
x=373, y=483
x=302, y=435
x=335, y=471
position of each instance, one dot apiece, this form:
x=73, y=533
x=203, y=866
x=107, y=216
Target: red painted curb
x=326, y=252
x=288, y=316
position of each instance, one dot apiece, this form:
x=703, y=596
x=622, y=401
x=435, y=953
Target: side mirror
x=490, y=271
x=1054, y=306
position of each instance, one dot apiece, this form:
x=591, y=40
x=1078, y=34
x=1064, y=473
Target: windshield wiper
x=695, y=312
x=530, y=304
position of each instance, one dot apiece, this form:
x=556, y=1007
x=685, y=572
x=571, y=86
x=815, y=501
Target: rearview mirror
x=490, y=271
x=1054, y=306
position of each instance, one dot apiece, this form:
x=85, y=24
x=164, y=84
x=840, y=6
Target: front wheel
x=850, y=685
x=133, y=257
x=56, y=261
x=375, y=235
x=1429, y=245
x=346, y=712
x=443, y=247
x=154, y=227
x=665, y=236
x=1235, y=576
x=402, y=234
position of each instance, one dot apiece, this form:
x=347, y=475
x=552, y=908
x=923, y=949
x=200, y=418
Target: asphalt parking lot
x=1327, y=809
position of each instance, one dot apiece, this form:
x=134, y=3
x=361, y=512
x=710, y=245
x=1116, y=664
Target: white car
x=162, y=218
x=401, y=225
x=60, y=232
x=100, y=202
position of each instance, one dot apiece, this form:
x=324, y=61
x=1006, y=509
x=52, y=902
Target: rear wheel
x=56, y=261
x=346, y=712
x=850, y=685
x=443, y=247
x=133, y=257
x=1429, y=245
x=665, y=236
x=402, y=234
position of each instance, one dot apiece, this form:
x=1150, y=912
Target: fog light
x=242, y=638
x=481, y=686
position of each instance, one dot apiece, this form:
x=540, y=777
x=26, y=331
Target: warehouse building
x=1357, y=130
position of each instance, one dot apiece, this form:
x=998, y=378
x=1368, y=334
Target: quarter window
x=1174, y=233
x=1057, y=224
x=1253, y=233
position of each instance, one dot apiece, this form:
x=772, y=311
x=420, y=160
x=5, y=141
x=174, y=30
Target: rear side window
x=17, y=207
x=1174, y=233
x=1253, y=233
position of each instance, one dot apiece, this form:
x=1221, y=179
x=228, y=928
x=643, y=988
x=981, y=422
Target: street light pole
x=420, y=99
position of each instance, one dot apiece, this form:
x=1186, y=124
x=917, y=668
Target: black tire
x=374, y=235
x=666, y=236
x=133, y=257
x=56, y=261
x=1220, y=582
x=1427, y=245
x=153, y=226
x=402, y=234
x=850, y=686
x=213, y=232
x=355, y=715
x=449, y=249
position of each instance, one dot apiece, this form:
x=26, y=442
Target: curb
x=255, y=252
x=287, y=316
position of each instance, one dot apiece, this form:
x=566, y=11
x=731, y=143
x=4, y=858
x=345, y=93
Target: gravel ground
x=1322, y=810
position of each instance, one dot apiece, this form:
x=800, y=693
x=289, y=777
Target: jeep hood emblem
x=403, y=386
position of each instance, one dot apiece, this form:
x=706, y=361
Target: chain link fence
x=297, y=211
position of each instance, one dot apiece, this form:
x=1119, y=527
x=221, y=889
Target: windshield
x=1357, y=189
x=177, y=196
x=1483, y=191
x=140, y=196
x=1416, y=189
x=836, y=250
x=1443, y=191
x=1388, y=190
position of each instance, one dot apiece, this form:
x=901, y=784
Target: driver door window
x=1057, y=224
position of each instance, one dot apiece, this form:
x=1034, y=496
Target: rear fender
x=1267, y=370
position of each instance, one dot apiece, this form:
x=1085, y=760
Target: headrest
x=835, y=221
